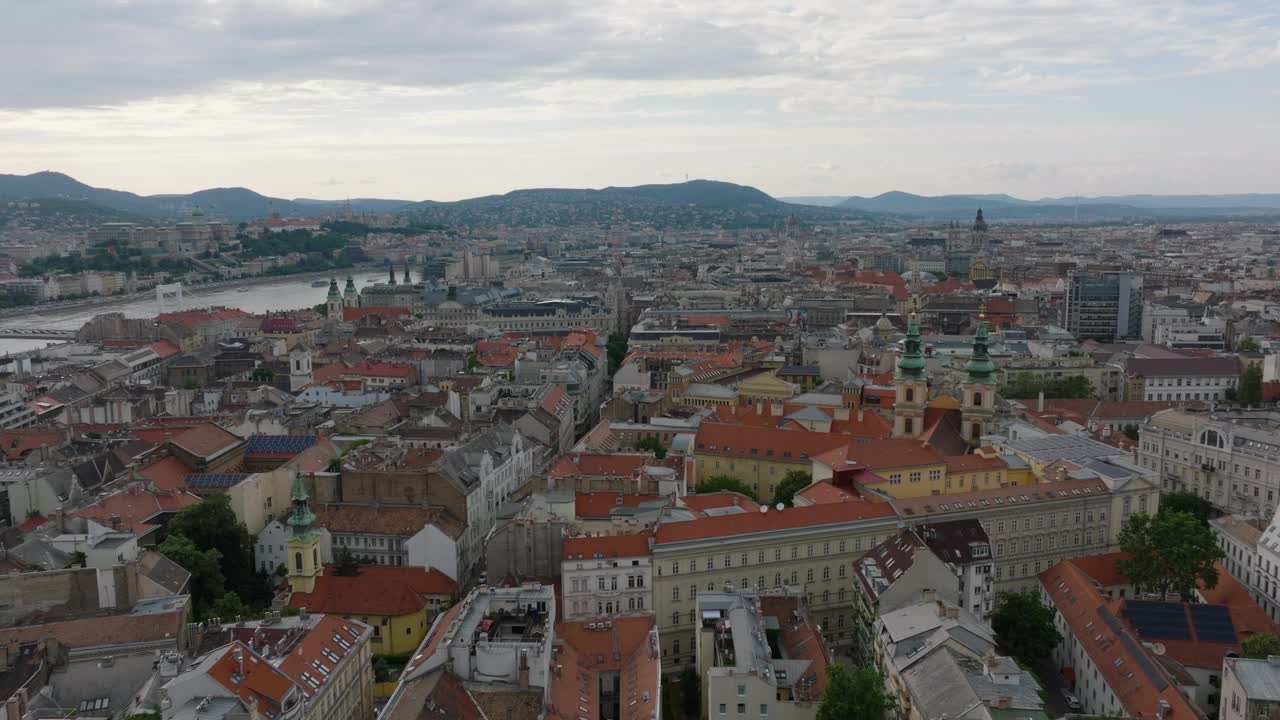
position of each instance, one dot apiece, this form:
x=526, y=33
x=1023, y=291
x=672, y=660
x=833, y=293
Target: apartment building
x=606, y=575
x=759, y=655
x=1230, y=459
x=306, y=667
x=1115, y=675
x=1251, y=555
x=1032, y=528
x=1105, y=306
x=1250, y=688
x=745, y=545
x=1180, y=379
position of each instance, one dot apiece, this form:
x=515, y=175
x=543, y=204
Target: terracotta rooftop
x=1138, y=681
x=206, y=440
x=748, y=523
x=167, y=473
x=378, y=590
x=402, y=520
x=622, y=649
x=601, y=504
x=606, y=546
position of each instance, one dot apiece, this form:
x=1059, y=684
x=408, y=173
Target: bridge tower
x=169, y=298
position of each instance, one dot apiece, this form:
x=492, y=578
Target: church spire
x=911, y=364
x=980, y=369
x=408, y=280
x=979, y=225
x=302, y=518
x=333, y=289
x=351, y=284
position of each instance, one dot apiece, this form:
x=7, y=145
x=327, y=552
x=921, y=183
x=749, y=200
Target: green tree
x=1248, y=345
x=1130, y=431
x=616, y=347
x=262, y=374
x=1169, y=552
x=691, y=692
x=1250, y=392
x=1024, y=627
x=212, y=524
x=1260, y=646
x=793, y=482
x=345, y=564
x=1187, y=502
x=207, y=581
x=230, y=607
x=77, y=559
x=724, y=483
x=854, y=693
x=1029, y=386
x=653, y=445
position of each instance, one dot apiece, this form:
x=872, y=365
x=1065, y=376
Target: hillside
x=1125, y=207
x=697, y=203
x=55, y=213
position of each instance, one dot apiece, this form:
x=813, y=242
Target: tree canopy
x=1027, y=385
x=793, y=482
x=1250, y=393
x=724, y=483
x=1187, y=502
x=345, y=564
x=854, y=693
x=1169, y=553
x=230, y=607
x=653, y=445
x=1024, y=627
x=1260, y=646
x=616, y=346
x=212, y=524
x=207, y=582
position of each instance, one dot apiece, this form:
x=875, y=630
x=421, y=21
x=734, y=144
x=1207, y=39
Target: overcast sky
x=443, y=100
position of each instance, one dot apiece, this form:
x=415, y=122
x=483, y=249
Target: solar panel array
x=214, y=481
x=1213, y=624
x=1154, y=619
x=290, y=444
x=1136, y=651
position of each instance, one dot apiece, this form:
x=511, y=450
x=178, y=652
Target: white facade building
x=606, y=576
x=1232, y=460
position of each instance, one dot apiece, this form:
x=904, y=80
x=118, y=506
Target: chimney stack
x=1040, y=402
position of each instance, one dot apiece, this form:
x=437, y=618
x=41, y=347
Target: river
x=283, y=293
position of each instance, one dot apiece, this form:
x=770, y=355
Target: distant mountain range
x=705, y=203
x=1000, y=206
x=715, y=204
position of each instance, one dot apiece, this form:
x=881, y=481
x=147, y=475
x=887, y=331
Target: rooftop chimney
x=1162, y=709
x=1040, y=402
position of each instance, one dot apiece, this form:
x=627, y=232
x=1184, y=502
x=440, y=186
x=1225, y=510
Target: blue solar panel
x=283, y=444
x=1213, y=624
x=214, y=481
x=1162, y=620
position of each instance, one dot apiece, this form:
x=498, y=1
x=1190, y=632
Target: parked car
x=1073, y=702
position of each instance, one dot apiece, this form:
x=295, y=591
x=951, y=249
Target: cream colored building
x=1031, y=528
x=808, y=549
x=1231, y=460
x=260, y=497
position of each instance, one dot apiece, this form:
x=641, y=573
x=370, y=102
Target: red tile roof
x=773, y=521
x=972, y=462
x=370, y=368
x=800, y=640
x=352, y=314
x=622, y=650
x=206, y=440
x=377, y=590
x=600, y=504
x=133, y=506
x=18, y=443
x=824, y=492
x=605, y=464
x=771, y=444
x=165, y=349
x=1135, y=681
x=167, y=473
x=606, y=546
x=319, y=646
x=254, y=680
x=1102, y=567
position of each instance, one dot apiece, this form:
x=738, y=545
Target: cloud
x=689, y=84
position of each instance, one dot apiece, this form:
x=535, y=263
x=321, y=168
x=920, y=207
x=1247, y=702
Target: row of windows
x=1068, y=519
x=607, y=608
x=793, y=552
x=779, y=579
x=583, y=584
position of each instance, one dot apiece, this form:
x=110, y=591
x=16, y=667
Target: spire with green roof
x=351, y=285
x=911, y=364
x=333, y=289
x=980, y=370
x=301, y=519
